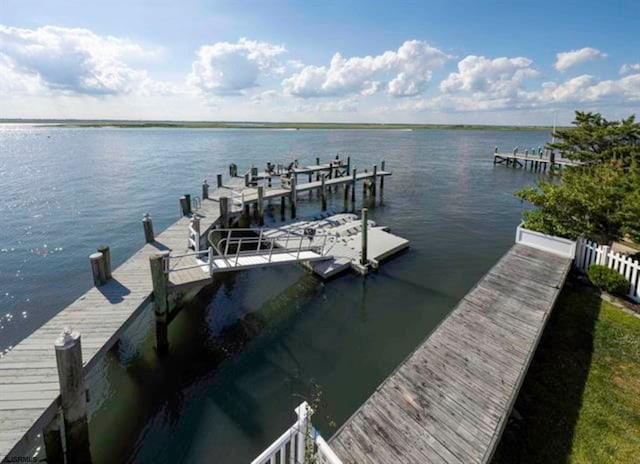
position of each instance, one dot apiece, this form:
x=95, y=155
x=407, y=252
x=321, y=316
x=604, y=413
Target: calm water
x=248, y=349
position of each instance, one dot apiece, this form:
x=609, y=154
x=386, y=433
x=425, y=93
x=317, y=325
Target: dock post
x=294, y=194
x=346, y=197
x=365, y=225
x=219, y=180
x=195, y=224
x=183, y=205
x=224, y=211
x=260, y=205
x=97, y=268
x=323, y=191
x=147, y=226
x=73, y=396
x=381, y=181
x=282, y=207
x=348, y=166
x=247, y=179
x=317, y=172
x=159, y=278
x=353, y=190
x=188, y=199
x=205, y=190
x=53, y=441
x=364, y=187
x=374, y=180
x=106, y=254
x=495, y=156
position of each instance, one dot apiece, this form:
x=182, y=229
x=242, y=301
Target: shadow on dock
x=542, y=426
x=114, y=291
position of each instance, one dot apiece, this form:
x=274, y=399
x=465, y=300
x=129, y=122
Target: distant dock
x=534, y=160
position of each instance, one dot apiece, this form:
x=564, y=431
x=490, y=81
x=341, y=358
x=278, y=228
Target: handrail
x=264, y=244
x=302, y=440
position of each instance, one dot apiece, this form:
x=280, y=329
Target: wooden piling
x=205, y=190
x=52, y=437
x=282, y=207
x=183, y=205
x=348, y=166
x=374, y=180
x=365, y=225
x=224, y=211
x=346, y=197
x=317, y=172
x=294, y=197
x=188, y=199
x=97, y=269
x=219, y=180
x=106, y=254
x=247, y=179
x=382, y=180
x=159, y=280
x=73, y=396
x=195, y=224
x=260, y=205
x=147, y=226
x=353, y=188
x=323, y=191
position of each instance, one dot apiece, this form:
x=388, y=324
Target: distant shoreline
x=262, y=125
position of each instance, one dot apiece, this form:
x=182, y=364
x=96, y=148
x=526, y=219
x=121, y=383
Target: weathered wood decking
x=448, y=402
x=29, y=389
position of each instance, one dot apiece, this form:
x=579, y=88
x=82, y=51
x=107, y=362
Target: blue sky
x=405, y=61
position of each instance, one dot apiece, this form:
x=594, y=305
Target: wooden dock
x=536, y=162
x=449, y=401
x=30, y=373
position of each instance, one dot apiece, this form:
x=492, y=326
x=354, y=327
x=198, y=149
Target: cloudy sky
x=379, y=61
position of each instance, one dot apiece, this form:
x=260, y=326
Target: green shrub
x=608, y=280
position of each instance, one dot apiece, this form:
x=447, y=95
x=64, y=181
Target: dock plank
x=450, y=399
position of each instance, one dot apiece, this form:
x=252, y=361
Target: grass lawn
x=580, y=401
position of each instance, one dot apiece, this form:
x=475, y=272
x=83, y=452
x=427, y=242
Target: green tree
x=599, y=199
x=595, y=140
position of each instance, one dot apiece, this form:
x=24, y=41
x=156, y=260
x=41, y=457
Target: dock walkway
x=449, y=401
x=29, y=386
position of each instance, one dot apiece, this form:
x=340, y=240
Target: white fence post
x=604, y=256
x=303, y=412
x=588, y=253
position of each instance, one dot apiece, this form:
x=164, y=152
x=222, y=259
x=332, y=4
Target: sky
x=462, y=62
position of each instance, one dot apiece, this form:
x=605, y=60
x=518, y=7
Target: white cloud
x=629, y=68
x=587, y=89
x=404, y=72
x=565, y=60
x=496, y=78
x=226, y=68
x=71, y=61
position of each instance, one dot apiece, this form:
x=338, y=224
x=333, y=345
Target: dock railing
x=231, y=248
x=201, y=254
x=300, y=444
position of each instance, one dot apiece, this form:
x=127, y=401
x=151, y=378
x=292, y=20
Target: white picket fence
x=588, y=253
x=301, y=444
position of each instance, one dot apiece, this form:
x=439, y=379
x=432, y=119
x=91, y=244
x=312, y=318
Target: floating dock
x=449, y=401
x=42, y=386
x=344, y=245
